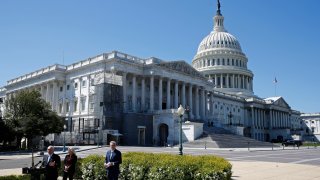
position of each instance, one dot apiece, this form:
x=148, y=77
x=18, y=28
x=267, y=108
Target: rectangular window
x=61, y=88
x=91, y=102
x=75, y=106
x=84, y=83
x=67, y=107
x=83, y=103
x=60, y=108
x=68, y=87
x=75, y=85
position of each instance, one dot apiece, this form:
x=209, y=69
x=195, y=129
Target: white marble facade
x=217, y=88
x=311, y=126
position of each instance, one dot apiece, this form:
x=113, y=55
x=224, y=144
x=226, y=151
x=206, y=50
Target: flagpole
x=275, y=81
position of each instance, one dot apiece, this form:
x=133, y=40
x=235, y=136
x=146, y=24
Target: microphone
x=38, y=163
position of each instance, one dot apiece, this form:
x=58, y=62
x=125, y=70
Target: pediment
x=279, y=101
x=181, y=66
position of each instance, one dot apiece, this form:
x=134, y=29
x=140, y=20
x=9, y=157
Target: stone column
x=124, y=91
x=47, y=92
x=197, y=102
x=253, y=118
x=79, y=97
x=227, y=81
x=88, y=94
x=151, y=93
x=41, y=90
x=55, y=97
x=232, y=81
x=190, y=101
x=205, y=104
x=143, y=94
x=134, y=96
x=183, y=94
x=160, y=93
x=212, y=105
x=168, y=94
x=221, y=80
x=176, y=97
x=271, y=119
x=215, y=81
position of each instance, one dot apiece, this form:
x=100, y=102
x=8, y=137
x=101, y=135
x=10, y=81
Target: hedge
x=140, y=166
x=160, y=166
x=14, y=177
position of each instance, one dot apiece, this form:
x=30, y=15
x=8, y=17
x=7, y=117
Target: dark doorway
x=163, y=134
x=247, y=132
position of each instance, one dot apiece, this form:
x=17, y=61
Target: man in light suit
x=113, y=160
x=52, y=163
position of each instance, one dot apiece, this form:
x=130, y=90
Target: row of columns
x=259, y=119
x=279, y=119
x=187, y=91
x=232, y=81
x=216, y=62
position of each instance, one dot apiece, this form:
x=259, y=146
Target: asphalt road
x=295, y=156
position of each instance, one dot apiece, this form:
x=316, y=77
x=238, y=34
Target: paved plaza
x=258, y=163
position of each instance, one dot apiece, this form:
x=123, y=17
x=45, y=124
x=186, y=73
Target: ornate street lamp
x=64, y=138
x=180, y=114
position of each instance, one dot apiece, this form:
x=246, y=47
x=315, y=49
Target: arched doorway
x=163, y=134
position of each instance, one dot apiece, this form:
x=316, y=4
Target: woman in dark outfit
x=69, y=164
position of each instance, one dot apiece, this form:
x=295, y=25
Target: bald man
x=52, y=163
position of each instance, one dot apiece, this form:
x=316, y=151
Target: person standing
x=69, y=164
x=52, y=163
x=113, y=161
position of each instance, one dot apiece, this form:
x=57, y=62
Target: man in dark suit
x=113, y=160
x=52, y=163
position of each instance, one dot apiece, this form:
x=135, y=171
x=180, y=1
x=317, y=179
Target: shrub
x=92, y=167
x=13, y=177
x=166, y=166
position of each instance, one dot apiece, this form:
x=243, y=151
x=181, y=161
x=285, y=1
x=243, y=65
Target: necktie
x=49, y=157
x=110, y=155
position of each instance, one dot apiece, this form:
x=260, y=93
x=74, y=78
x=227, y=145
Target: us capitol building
x=119, y=96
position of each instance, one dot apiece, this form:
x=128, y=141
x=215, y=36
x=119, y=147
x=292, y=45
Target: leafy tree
x=29, y=115
x=6, y=133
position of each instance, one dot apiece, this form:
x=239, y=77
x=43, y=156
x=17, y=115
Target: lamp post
x=64, y=138
x=99, y=130
x=180, y=114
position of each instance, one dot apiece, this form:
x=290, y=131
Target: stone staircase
x=215, y=137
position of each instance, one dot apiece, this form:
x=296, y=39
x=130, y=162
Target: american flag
x=275, y=80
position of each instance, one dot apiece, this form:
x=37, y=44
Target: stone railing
x=37, y=73
x=106, y=56
x=166, y=111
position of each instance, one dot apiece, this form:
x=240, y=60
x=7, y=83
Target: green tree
x=30, y=116
x=6, y=133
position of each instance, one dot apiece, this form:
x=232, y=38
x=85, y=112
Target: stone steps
x=215, y=137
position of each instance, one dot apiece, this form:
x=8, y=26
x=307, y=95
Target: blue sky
x=280, y=38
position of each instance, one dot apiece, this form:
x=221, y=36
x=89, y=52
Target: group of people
x=52, y=163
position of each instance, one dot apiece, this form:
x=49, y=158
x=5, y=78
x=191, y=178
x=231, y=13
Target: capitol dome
x=218, y=39
x=221, y=60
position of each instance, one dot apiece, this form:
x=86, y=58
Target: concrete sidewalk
x=249, y=170
x=58, y=150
